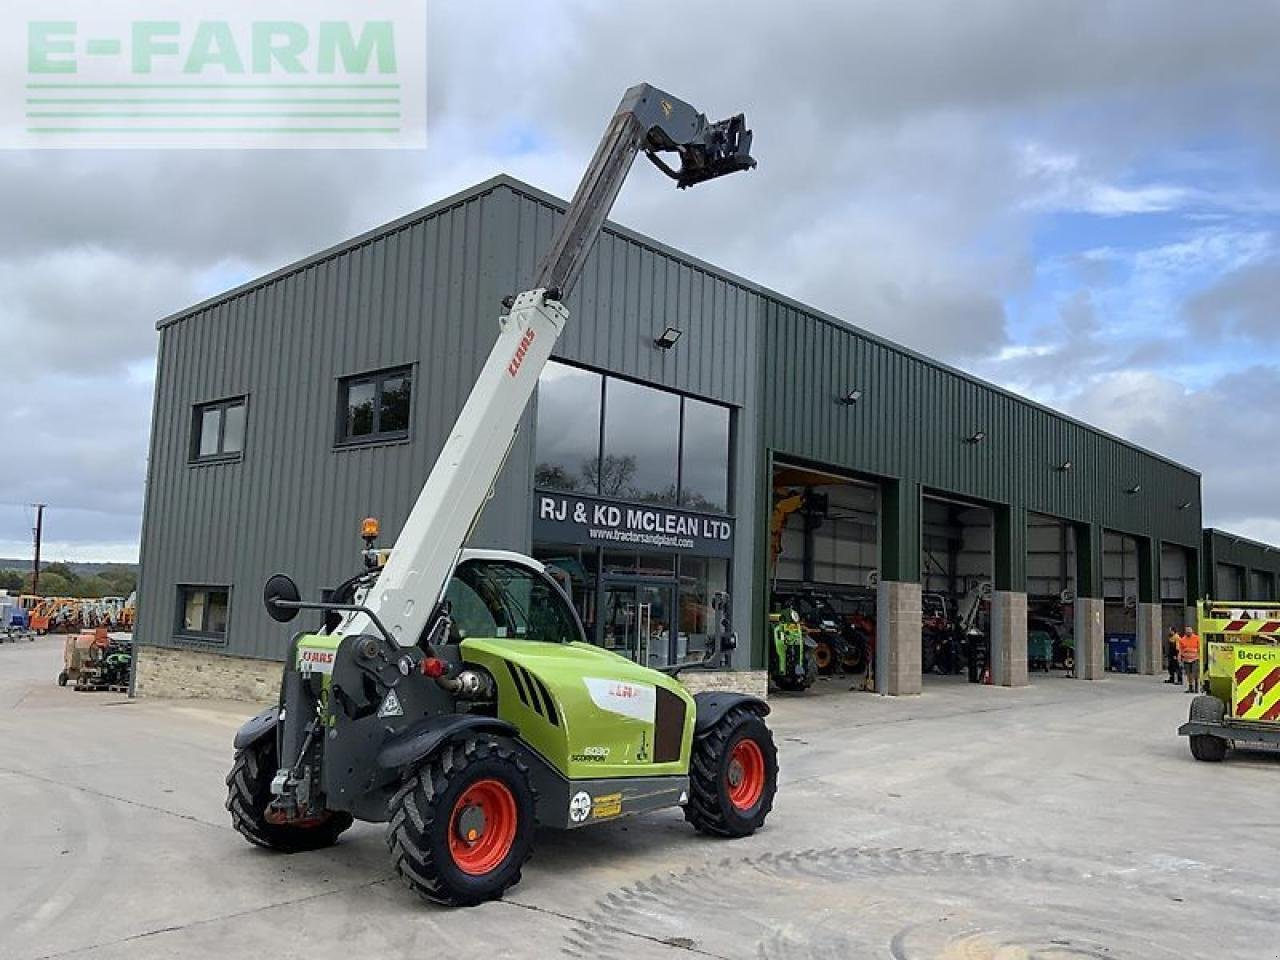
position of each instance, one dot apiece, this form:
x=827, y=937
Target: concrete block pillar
x=1150, y=639
x=1009, y=601
x=1147, y=641
x=1090, y=647
x=1009, y=638
x=898, y=652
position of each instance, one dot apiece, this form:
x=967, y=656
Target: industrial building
x=696, y=433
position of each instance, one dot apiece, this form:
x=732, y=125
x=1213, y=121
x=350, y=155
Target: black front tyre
x=461, y=826
x=249, y=792
x=1204, y=746
x=733, y=776
x=62, y=678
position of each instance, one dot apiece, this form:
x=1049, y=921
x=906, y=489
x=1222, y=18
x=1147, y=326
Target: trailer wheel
x=733, y=776
x=249, y=792
x=461, y=825
x=1204, y=746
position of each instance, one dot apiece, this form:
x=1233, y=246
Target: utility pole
x=38, y=533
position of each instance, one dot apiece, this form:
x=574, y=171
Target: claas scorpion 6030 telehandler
x=451, y=693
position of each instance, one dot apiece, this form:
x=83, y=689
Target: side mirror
x=280, y=588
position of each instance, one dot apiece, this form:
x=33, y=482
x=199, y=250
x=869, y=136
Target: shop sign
x=594, y=521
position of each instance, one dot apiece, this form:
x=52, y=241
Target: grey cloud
x=1220, y=428
x=892, y=189
x=1245, y=303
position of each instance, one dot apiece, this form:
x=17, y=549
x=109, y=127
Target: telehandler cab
x=451, y=693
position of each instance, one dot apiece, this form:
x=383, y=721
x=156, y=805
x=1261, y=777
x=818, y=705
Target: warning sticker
x=391, y=706
x=609, y=805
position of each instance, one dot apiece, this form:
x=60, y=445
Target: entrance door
x=635, y=620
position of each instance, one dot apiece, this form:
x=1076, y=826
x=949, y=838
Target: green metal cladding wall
x=1260, y=561
x=914, y=416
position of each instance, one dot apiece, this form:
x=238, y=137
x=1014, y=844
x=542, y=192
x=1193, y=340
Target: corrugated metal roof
x=527, y=190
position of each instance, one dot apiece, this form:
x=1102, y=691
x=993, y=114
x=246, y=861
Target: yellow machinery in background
x=1239, y=699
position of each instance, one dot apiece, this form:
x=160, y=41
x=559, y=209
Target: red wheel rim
x=822, y=656
x=745, y=774
x=482, y=828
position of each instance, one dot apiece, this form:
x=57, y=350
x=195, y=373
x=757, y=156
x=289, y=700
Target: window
x=568, y=432
x=602, y=435
x=218, y=430
x=497, y=599
x=704, y=460
x=202, y=612
x=641, y=443
x=375, y=406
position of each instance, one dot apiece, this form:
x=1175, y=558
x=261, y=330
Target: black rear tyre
x=429, y=814
x=721, y=803
x=249, y=792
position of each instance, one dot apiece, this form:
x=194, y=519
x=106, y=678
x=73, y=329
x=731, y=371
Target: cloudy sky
x=1077, y=200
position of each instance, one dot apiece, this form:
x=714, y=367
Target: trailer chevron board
x=1259, y=619
x=1255, y=689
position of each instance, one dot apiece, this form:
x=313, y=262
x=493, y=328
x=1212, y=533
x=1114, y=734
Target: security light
x=852, y=397
x=668, y=338
x=1136, y=488
x=1065, y=465
x=976, y=437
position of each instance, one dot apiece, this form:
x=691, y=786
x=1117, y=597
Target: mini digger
x=451, y=693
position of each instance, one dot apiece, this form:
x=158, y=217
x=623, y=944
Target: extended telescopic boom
x=408, y=590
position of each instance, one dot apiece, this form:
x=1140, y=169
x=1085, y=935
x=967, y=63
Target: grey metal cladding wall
x=915, y=415
x=424, y=293
x=630, y=289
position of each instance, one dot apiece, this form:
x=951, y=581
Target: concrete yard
x=1061, y=820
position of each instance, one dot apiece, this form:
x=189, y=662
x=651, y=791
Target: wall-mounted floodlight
x=1065, y=465
x=668, y=338
x=1136, y=488
x=852, y=397
x=976, y=437
x=1185, y=506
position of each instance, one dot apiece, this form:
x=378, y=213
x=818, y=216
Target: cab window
x=498, y=599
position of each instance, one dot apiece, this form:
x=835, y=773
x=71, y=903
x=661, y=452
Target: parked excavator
x=450, y=692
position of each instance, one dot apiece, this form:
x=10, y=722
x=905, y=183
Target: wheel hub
x=735, y=772
x=471, y=823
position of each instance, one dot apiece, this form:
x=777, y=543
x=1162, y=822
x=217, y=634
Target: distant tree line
x=59, y=580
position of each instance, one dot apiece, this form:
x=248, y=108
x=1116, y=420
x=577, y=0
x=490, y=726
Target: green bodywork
x=788, y=635
x=604, y=705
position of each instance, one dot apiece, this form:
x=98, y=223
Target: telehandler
x=451, y=693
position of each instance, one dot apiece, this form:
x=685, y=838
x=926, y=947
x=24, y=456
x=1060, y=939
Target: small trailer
x=1239, y=699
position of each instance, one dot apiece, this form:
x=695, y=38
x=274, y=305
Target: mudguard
x=258, y=727
x=712, y=705
x=421, y=740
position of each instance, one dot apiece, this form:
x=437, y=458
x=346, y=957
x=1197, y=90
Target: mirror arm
x=342, y=607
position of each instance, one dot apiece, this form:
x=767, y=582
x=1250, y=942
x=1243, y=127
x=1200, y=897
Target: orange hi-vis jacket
x=1188, y=648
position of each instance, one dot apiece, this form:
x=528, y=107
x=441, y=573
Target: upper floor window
x=218, y=430
x=604, y=435
x=375, y=406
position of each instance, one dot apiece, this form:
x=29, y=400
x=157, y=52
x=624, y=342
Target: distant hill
x=83, y=569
